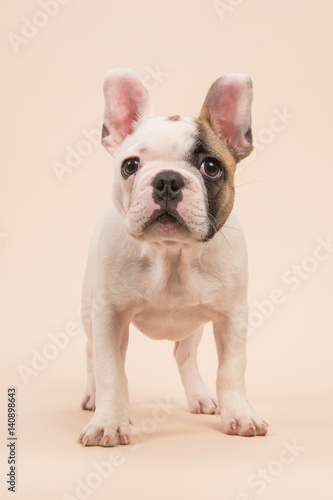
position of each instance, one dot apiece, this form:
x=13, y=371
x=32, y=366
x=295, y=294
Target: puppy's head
x=174, y=176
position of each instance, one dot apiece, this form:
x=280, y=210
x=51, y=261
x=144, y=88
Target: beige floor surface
x=174, y=453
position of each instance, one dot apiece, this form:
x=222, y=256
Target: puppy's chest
x=176, y=303
x=178, y=282
x=172, y=323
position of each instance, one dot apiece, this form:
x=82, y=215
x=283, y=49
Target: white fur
x=161, y=145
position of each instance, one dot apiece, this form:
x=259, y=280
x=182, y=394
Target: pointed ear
x=127, y=105
x=227, y=109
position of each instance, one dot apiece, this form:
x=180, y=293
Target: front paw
x=242, y=422
x=202, y=400
x=110, y=433
x=88, y=402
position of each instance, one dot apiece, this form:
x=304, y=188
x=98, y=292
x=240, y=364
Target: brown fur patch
x=174, y=118
x=215, y=143
x=221, y=194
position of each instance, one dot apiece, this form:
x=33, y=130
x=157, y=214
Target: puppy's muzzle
x=167, y=188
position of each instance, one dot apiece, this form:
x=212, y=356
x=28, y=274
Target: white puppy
x=171, y=255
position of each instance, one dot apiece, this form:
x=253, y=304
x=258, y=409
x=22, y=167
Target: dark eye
x=211, y=168
x=130, y=166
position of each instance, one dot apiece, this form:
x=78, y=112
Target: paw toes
x=85, y=441
x=105, y=441
x=124, y=439
x=105, y=436
x=244, y=426
x=195, y=408
x=84, y=402
x=204, y=405
x=250, y=431
x=88, y=403
x=232, y=430
x=209, y=406
x=124, y=432
x=262, y=430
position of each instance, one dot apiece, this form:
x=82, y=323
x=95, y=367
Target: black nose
x=168, y=185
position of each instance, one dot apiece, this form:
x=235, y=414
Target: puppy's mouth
x=165, y=218
x=166, y=221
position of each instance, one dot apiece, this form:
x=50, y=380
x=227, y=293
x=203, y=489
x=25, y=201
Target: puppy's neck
x=172, y=263
x=172, y=250
x=173, y=255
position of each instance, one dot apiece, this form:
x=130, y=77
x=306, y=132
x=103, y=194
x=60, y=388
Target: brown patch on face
x=174, y=118
x=215, y=143
x=221, y=191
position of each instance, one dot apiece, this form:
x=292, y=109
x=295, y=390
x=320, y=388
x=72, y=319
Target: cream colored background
x=52, y=91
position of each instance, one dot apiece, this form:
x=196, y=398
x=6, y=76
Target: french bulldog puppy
x=170, y=255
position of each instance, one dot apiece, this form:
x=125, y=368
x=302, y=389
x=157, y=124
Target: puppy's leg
x=88, y=402
x=200, y=399
x=109, y=425
x=236, y=413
